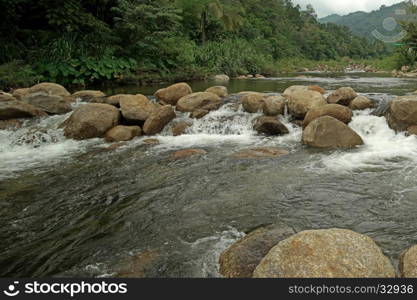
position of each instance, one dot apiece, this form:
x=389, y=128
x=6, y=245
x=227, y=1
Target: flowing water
x=72, y=208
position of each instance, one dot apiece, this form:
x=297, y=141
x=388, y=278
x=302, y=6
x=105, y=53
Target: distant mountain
x=381, y=23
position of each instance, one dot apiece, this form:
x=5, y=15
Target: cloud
x=343, y=7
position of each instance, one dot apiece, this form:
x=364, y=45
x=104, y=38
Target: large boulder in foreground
x=332, y=253
x=253, y=102
x=50, y=89
x=301, y=101
x=202, y=100
x=241, y=259
x=220, y=91
x=173, y=93
x=342, y=96
x=274, y=106
x=123, y=133
x=91, y=121
x=339, y=112
x=408, y=263
x=17, y=109
x=361, y=103
x=55, y=105
x=270, y=126
x=159, y=119
x=330, y=133
x=136, y=108
x=90, y=96
x=19, y=94
x=402, y=113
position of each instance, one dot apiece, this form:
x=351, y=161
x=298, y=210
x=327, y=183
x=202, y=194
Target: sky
x=343, y=7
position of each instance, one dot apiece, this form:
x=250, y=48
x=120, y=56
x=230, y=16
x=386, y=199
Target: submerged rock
x=18, y=109
x=182, y=154
x=123, y=133
x=342, y=96
x=173, y=93
x=332, y=253
x=408, y=263
x=301, y=101
x=90, y=96
x=158, y=120
x=180, y=128
x=339, y=112
x=270, y=126
x=220, y=91
x=328, y=132
x=50, y=89
x=361, y=103
x=261, y=152
x=151, y=142
x=402, y=113
x=202, y=100
x=141, y=265
x=136, y=108
x=49, y=103
x=91, y=121
x=274, y=106
x=241, y=259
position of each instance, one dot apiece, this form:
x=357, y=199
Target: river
x=70, y=208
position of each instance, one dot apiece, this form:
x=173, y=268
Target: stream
x=74, y=208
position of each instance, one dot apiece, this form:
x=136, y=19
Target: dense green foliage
x=85, y=41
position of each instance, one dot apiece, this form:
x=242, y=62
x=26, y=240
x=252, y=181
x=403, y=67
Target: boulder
x=173, y=93
x=199, y=113
x=328, y=132
x=342, y=96
x=136, y=108
x=18, y=109
x=158, y=120
x=91, y=121
x=262, y=152
x=339, y=112
x=180, y=128
x=361, y=103
x=90, y=96
x=402, y=113
x=123, y=133
x=187, y=153
x=317, y=89
x=51, y=104
x=412, y=130
x=292, y=89
x=301, y=101
x=253, y=102
x=115, y=99
x=50, y=89
x=19, y=94
x=10, y=124
x=6, y=97
x=151, y=142
x=200, y=100
x=274, y=106
x=220, y=91
x=332, y=253
x=221, y=77
x=408, y=263
x=241, y=259
x=270, y=126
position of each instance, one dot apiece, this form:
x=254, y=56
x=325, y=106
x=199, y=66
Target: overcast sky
x=343, y=7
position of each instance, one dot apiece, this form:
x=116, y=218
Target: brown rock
x=274, y=106
x=6, y=97
x=328, y=132
x=116, y=146
x=339, y=112
x=402, y=113
x=49, y=103
x=90, y=96
x=332, y=253
x=182, y=154
x=198, y=101
x=180, y=128
x=361, y=103
x=158, y=120
x=253, y=102
x=199, y=113
x=123, y=133
x=342, y=96
x=136, y=108
x=262, y=152
x=19, y=94
x=173, y=93
x=18, y=109
x=151, y=142
x=408, y=263
x=241, y=259
x=50, y=89
x=412, y=130
x=317, y=89
x=270, y=126
x=10, y=124
x=301, y=101
x=91, y=121
x=141, y=265
x=220, y=91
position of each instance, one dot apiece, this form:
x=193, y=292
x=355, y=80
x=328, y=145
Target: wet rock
x=187, y=153
x=173, y=93
x=18, y=109
x=317, y=89
x=10, y=124
x=115, y=146
x=141, y=265
x=180, y=128
x=198, y=101
x=241, y=259
x=270, y=126
x=253, y=102
x=51, y=104
x=408, y=263
x=19, y=94
x=402, y=113
x=274, y=106
x=221, y=77
x=339, y=112
x=159, y=119
x=342, y=96
x=292, y=89
x=91, y=121
x=199, y=113
x=115, y=99
x=262, y=152
x=123, y=133
x=220, y=91
x=151, y=142
x=361, y=103
x=301, y=101
x=332, y=253
x=136, y=108
x=90, y=96
x=412, y=130
x=328, y=132
x=50, y=89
